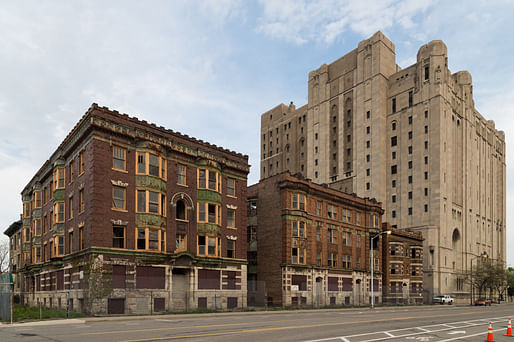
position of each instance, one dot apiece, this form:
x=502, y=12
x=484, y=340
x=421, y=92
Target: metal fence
x=5, y=297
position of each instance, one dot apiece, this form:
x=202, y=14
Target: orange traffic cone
x=509, y=329
x=490, y=337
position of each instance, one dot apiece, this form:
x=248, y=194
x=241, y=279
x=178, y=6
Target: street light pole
x=372, y=264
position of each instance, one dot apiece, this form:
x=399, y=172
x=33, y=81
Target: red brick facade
x=312, y=243
x=127, y=205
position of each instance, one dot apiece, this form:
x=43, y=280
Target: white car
x=443, y=299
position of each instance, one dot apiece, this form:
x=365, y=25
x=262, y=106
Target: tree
x=489, y=275
x=4, y=256
x=510, y=281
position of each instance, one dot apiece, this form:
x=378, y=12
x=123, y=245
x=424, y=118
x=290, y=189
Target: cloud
x=300, y=22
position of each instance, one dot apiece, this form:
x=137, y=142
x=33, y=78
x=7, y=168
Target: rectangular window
x=208, y=246
x=70, y=242
x=318, y=208
x=37, y=199
x=358, y=241
x=318, y=231
x=209, y=179
x=119, y=158
x=26, y=235
x=153, y=165
x=150, y=202
x=26, y=209
x=118, y=237
x=150, y=239
x=181, y=169
x=332, y=259
x=394, y=141
x=141, y=163
x=81, y=200
x=71, y=172
x=180, y=242
x=393, y=105
x=59, y=212
x=118, y=198
x=81, y=162
x=70, y=207
x=394, y=169
x=60, y=245
x=231, y=187
x=410, y=98
x=231, y=218
x=81, y=238
x=153, y=202
x=209, y=212
x=427, y=72
x=208, y=279
x=298, y=256
x=231, y=249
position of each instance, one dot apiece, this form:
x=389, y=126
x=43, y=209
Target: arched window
x=181, y=210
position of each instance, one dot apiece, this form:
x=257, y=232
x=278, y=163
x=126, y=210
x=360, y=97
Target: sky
x=209, y=69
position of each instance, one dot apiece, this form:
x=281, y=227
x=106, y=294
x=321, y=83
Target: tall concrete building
x=413, y=139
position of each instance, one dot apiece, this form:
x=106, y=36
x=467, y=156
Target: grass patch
x=25, y=313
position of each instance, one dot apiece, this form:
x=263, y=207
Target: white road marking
x=388, y=334
x=423, y=329
x=462, y=337
x=457, y=332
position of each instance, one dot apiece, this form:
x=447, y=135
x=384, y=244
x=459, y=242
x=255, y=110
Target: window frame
x=300, y=256
x=117, y=238
x=161, y=199
x=123, y=199
x=161, y=247
x=161, y=172
x=182, y=174
x=231, y=189
x=233, y=249
x=207, y=180
x=59, y=212
x=205, y=206
x=119, y=157
x=217, y=246
x=180, y=241
x=233, y=211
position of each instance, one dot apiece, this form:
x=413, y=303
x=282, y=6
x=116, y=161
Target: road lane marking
x=463, y=337
x=243, y=331
x=423, y=329
x=389, y=334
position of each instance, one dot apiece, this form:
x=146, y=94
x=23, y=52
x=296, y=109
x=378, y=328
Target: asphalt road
x=409, y=324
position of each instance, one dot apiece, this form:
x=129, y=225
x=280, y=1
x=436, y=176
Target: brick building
x=17, y=244
x=402, y=271
x=309, y=244
x=129, y=217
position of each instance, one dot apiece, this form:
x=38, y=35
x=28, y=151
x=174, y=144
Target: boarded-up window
x=347, y=284
x=231, y=302
x=202, y=302
x=60, y=280
x=208, y=279
x=332, y=300
x=333, y=283
x=158, y=304
x=148, y=277
x=299, y=280
x=119, y=275
x=116, y=306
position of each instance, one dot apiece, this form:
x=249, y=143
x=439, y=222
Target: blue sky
x=210, y=68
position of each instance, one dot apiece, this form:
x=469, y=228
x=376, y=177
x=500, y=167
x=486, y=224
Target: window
x=410, y=149
x=393, y=183
x=427, y=72
x=231, y=187
x=410, y=211
x=81, y=200
x=37, y=199
x=394, y=141
x=393, y=155
x=368, y=130
x=59, y=245
x=393, y=214
x=426, y=208
x=368, y=144
x=209, y=213
x=357, y=219
x=426, y=114
x=426, y=174
x=118, y=198
x=394, y=169
x=209, y=179
x=59, y=178
x=393, y=126
x=393, y=198
x=37, y=227
x=298, y=201
x=37, y=254
x=298, y=228
x=393, y=105
x=231, y=249
x=119, y=158
x=426, y=160
x=318, y=258
x=347, y=261
x=332, y=236
x=426, y=145
x=410, y=164
x=298, y=256
x=426, y=129
x=347, y=239
x=208, y=245
x=150, y=239
x=410, y=179
x=231, y=218
x=373, y=221
x=151, y=202
x=71, y=171
x=368, y=158
x=410, y=98
x=181, y=213
x=426, y=191
x=26, y=235
x=70, y=241
x=332, y=259
x=368, y=185
x=181, y=242
x=410, y=194
x=118, y=237
x=70, y=207
x=150, y=164
x=368, y=172
x=81, y=162
x=318, y=231
x=410, y=120
x=81, y=238
x=410, y=135
x=59, y=212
